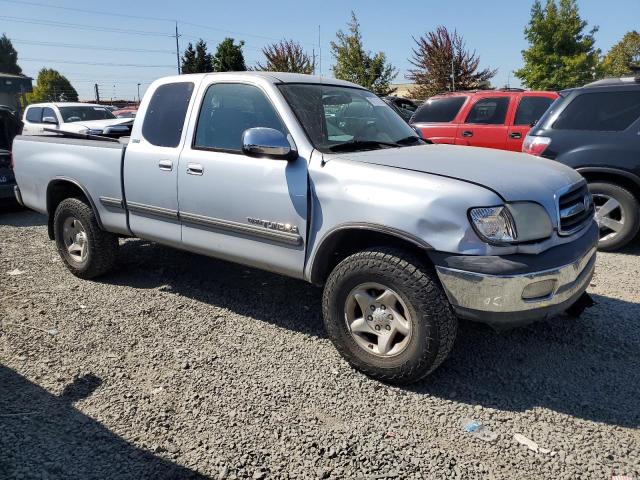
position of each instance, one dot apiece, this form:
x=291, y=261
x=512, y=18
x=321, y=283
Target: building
x=13, y=89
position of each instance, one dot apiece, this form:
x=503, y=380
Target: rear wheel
x=86, y=249
x=617, y=214
x=388, y=316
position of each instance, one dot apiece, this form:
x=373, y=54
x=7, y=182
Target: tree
x=560, y=54
x=8, y=57
x=197, y=60
x=51, y=86
x=229, y=57
x=623, y=58
x=286, y=56
x=436, y=55
x=356, y=65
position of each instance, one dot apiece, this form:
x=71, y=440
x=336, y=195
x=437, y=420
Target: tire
x=94, y=254
x=432, y=322
x=626, y=215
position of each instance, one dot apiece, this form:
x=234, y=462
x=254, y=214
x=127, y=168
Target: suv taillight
x=535, y=145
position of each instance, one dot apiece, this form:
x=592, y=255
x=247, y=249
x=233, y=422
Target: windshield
x=339, y=119
x=82, y=113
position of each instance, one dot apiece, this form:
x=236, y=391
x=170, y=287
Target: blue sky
x=494, y=29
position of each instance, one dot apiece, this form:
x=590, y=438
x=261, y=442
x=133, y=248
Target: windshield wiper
x=410, y=140
x=356, y=145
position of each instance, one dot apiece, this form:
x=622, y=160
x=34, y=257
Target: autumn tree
x=436, y=56
x=52, y=86
x=623, y=58
x=8, y=57
x=229, y=57
x=560, y=54
x=357, y=65
x=286, y=56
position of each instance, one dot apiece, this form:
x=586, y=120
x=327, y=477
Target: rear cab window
x=439, y=109
x=34, y=115
x=165, y=117
x=600, y=111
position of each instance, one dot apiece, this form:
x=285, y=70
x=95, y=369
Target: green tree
x=623, y=58
x=189, y=60
x=436, y=55
x=51, y=86
x=355, y=64
x=286, y=56
x=197, y=60
x=229, y=57
x=8, y=57
x=560, y=53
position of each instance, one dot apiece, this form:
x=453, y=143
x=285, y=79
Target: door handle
x=467, y=133
x=195, y=169
x=166, y=165
x=515, y=135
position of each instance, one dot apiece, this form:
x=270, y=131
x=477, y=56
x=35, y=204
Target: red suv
x=485, y=118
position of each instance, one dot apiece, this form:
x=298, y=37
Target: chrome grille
x=575, y=209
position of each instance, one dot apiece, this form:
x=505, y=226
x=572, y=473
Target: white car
x=82, y=118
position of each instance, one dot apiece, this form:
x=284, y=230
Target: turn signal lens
x=534, y=145
x=494, y=224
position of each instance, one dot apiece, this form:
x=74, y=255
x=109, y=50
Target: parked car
x=125, y=113
x=7, y=178
x=319, y=179
x=403, y=106
x=81, y=118
x=596, y=130
x=486, y=118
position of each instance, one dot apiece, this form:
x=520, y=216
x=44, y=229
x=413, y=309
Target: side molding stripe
x=111, y=202
x=151, y=210
x=235, y=227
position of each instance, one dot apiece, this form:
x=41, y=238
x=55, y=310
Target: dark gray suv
x=596, y=130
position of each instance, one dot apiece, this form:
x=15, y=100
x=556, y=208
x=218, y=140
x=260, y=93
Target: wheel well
x=59, y=190
x=618, y=179
x=342, y=243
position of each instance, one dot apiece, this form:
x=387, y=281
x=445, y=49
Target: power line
x=94, y=12
x=93, y=28
x=93, y=63
x=87, y=47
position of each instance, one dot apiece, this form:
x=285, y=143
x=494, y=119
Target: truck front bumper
x=509, y=291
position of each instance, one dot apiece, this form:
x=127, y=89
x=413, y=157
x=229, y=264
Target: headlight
x=494, y=224
x=514, y=222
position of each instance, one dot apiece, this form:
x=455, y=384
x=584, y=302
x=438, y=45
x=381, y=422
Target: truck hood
x=92, y=124
x=513, y=176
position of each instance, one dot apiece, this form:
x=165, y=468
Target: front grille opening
x=576, y=209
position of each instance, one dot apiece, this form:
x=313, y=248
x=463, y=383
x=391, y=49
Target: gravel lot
x=180, y=366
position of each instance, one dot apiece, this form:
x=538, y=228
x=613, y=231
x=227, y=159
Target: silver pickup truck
x=320, y=180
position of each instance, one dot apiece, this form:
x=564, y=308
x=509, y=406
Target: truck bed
x=93, y=165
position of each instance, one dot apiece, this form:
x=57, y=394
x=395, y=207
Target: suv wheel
x=388, y=316
x=617, y=214
x=86, y=249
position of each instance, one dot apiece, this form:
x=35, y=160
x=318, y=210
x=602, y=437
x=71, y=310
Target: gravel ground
x=180, y=366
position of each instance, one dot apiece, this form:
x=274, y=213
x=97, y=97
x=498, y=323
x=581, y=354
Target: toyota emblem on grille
x=587, y=201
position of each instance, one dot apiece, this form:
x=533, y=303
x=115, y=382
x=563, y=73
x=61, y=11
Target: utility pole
x=97, y=93
x=138, y=94
x=319, y=52
x=177, y=48
x=453, y=71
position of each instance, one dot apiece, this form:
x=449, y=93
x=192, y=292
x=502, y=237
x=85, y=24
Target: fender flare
x=612, y=171
x=325, y=242
x=74, y=182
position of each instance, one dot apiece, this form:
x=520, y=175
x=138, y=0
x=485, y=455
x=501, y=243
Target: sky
x=135, y=43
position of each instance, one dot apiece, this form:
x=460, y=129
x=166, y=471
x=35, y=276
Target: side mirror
x=267, y=143
x=50, y=120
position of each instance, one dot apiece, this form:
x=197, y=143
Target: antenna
x=319, y=52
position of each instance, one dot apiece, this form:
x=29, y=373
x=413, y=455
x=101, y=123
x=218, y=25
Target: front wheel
x=86, y=249
x=617, y=214
x=387, y=315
